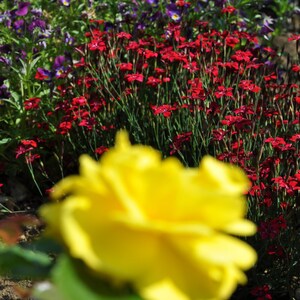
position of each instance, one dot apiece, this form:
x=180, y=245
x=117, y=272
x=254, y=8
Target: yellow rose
x=151, y=222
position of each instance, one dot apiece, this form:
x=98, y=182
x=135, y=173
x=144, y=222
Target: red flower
x=153, y=81
x=261, y=292
x=223, y=91
x=124, y=35
x=79, y=101
x=148, y=53
x=228, y=9
x=89, y=123
x=242, y=55
x=97, y=21
x=64, y=127
x=219, y=134
x=179, y=140
x=294, y=37
x=231, y=41
x=80, y=63
x=275, y=250
x=295, y=68
x=134, y=77
x=32, y=103
x=43, y=74
x=97, y=44
x=182, y=3
x=279, y=143
x=30, y=158
x=295, y=137
x=238, y=121
x=272, y=76
x=173, y=56
x=25, y=146
x=165, y=110
x=272, y=228
x=249, y=86
x=125, y=66
x=100, y=150
x=191, y=66
x=159, y=71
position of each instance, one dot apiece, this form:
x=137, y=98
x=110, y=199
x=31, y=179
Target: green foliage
x=74, y=282
x=20, y=263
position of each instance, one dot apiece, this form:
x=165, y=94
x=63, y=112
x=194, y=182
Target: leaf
x=75, y=282
x=5, y=141
x=19, y=263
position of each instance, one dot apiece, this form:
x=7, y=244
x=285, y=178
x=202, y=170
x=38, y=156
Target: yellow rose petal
x=151, y=222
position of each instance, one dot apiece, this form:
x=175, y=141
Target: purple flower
x=45, y=34
x=173, y=12
x=157, y=16
x=41, y=44
x=22, y=9
x=220, y=3
x=37, y=12
x=37, y=24
x=122, y=7
x=61, y=65
x=141, y=26
x=18, y=25
x=69, y=40
x=5, y=48
x=59, y=61
x=108, y=26
x=65, y=2
x=265, y=29
x=4, y=92
x=5, y=60
x=152, y=2
x=23, y=54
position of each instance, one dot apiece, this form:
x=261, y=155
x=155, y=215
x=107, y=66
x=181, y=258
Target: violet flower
x=173, y=12
x=4, y=92
x=108, y=26
x=69, y=40
x=37, y=12
x=6, y=48
x=38, y=23
x=65, y=2
x=220, y=3
x=61, y=65
x=59, y=61
x=19, y=25
x=265, y=29
x=22, y=9
x=5, y=60
x=153, y=3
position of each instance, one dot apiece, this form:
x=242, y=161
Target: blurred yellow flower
x=151, y=222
